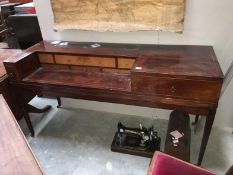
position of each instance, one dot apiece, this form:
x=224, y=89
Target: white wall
x=207, y=22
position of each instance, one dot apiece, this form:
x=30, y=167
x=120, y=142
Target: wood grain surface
x=16, y=154
x=4, y=54
x=5, y=88
x=186, y=78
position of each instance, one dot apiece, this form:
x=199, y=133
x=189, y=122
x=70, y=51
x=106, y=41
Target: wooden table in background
x=16, y=156
x=4, y=82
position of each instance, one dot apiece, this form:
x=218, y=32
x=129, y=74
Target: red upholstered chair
x=163, y=164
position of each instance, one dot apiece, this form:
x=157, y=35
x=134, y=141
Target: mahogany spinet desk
x=185, y=78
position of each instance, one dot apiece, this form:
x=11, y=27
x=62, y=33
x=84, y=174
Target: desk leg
x=33, y=109
x=58, y=102
x=196, y=120
x=29, y=123
x=208, y=126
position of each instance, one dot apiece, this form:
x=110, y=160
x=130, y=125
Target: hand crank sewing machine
x=144, y=141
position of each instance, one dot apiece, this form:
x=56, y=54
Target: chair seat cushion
x=163, y=164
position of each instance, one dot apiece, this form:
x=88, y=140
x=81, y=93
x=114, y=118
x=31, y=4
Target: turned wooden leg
x=196, y=120
x=29, y=123
x=208, y=126
x=58, y=102
x=33, y=109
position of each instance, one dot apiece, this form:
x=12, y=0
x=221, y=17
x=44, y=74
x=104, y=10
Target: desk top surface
x=173, y=60
x=16, y=155
x=185, y=60
x=4, y=54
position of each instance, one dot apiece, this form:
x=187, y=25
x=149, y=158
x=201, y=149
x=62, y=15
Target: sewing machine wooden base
x=183, y=78
x=115, y=147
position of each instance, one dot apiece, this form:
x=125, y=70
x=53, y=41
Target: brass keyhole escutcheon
x=173, y=89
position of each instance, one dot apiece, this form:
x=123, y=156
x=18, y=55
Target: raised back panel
x=106, y=64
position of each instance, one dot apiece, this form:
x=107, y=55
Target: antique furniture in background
x=26, y=29
x=6, y=33
x=3, y=27
x=5, y=88
x=8, y=8
x=177, y=77
x=16, y=154
x=19, y=30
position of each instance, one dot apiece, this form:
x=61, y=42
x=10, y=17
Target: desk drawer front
x=181, y=88
x=125, y=63
x=86, y=61
x=45, y=58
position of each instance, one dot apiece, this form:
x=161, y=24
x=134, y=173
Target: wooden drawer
x=86, y=60
x=174, y=87
x=125, y=63
x=45, y=58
